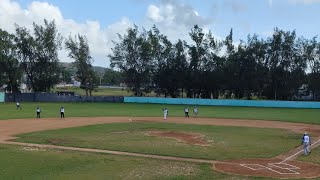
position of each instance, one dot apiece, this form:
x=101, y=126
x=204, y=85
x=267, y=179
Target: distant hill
x=71, y=67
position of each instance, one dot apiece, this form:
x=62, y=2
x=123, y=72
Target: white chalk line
x=290, y=170
x=254, y=169
x=288, y=158
x=278, y=165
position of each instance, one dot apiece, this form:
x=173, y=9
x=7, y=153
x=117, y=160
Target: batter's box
x=253, y=166
x=284, y=166
x=274, y=168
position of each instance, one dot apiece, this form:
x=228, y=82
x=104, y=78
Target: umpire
x=62, y=112
x=38, y=111
x=186, y=112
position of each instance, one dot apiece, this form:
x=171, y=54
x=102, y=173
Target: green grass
x=225, y=142
x=8, y=111
x=101, y=91
x=17, y=162
x=97, y=92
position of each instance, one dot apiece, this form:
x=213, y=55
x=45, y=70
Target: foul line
x=122, y=153
x=288, y=158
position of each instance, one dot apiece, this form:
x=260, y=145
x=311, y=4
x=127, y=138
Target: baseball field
x=132, y=141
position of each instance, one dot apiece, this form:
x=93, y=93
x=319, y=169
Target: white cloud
x=154, y=13
x=270, y=2
x=173, y=18
x=100, y=39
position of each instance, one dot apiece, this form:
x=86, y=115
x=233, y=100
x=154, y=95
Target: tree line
x=147, y=61
x=32, y=56
x=272, y=68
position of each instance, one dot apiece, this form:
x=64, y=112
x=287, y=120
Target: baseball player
x=18, y=105
x=306, y=141
x=186, y=112
x=165, y=113
x=38, y=111
x=62, y=112
x=195, y=111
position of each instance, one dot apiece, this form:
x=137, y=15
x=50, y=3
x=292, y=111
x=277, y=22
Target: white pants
x=306, y=148
x=165, y=116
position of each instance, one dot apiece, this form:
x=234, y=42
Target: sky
x=101, y=20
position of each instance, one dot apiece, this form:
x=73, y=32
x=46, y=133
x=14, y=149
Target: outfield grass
x=101, y=91
x=17, y=162
x=8, y=111
x=224, y=142
x=97, y=92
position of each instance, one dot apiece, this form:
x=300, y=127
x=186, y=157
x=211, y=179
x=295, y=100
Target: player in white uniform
x=195, y=111
x=306, y=141
x=38, y=111
x=186, y=112
x=62, y=112
x=18, y=105
x=165, y=113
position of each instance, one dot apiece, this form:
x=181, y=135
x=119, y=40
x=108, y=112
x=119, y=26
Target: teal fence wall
x=2, y=96
x=218, y=102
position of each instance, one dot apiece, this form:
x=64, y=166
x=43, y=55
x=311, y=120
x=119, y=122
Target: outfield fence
x=53, y=97
x=2, y=94
x=219, y=102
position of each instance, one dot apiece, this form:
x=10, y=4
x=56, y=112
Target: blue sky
x=175, y=18
x=245, y=16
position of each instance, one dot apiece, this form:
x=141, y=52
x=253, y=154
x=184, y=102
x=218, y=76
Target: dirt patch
x=189, y=138
x=32, y=148
x=269, y=168
x=57, y=141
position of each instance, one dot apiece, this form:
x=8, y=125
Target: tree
x=197, y=53
x=79, y=51
x=39, y=55
x=258, y=72
x=179, y=66
x=274, y=68
x=162, y=54
x=9, y=64
x=211, y=74
x=286, y=65
x=310, y=51
x=65, y=75
x=132, y=55
x=244, y=68
x=112, y=77
x=205, y=64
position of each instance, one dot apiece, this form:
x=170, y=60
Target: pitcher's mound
x=269, y=168
x=189, y=138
